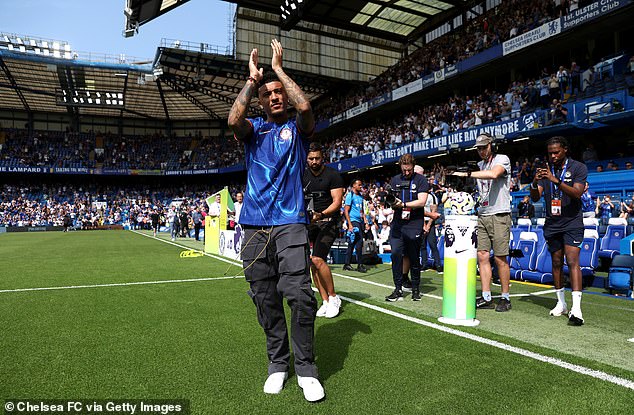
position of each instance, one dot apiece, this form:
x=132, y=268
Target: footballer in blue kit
x=275, y=158
x=275, y=250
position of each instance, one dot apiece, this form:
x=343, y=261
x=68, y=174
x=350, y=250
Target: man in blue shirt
x=355, y=220
x=275, y=249
x=587, y=202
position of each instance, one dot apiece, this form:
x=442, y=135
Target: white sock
x=506, y=296
x=486, y=295
x=576, y=300
x=561, y=298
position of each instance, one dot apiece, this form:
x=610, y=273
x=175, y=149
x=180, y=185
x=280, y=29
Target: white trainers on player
x=334, y=304
x=561, y=309
x=322, y=310
x=275, y=382
x=313, y=391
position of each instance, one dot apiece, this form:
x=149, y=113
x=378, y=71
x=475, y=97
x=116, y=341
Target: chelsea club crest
x=286, y=134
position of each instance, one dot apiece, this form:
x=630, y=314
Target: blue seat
x=588, y=257
x=526, y=244
x=543, y=272
x=515, y=238
x=621, y=274
x=591, y=223
x=610, y=242
x=541, y=241
x=523, y=227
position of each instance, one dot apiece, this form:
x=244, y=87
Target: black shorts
x=155, y=226
x=557, y=238
x=321, y=236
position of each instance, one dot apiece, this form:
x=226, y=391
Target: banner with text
x=539, y=34
x=591, y=12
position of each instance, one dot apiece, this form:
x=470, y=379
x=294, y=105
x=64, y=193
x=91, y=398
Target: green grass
x=200, y=340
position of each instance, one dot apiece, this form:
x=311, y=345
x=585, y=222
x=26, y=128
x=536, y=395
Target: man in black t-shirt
x=154, y=216
x=562, y=183
x=411, y=190
x=323, y=190
x=525, y=208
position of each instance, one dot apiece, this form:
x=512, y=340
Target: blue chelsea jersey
x=275, y=158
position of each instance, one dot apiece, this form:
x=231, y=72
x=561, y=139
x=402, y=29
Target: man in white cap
x=494, y=219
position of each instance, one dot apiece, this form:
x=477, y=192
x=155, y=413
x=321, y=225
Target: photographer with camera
x=407, y=196
x=494, y=219
x=558, y=113
x=323, y=189
x=562, y=182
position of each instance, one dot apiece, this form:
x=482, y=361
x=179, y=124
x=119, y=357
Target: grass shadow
x=332, y=344
x=544, y=302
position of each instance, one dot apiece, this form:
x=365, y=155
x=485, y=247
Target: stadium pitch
x=121, y=315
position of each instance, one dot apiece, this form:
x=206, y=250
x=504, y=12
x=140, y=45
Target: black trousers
x=197, y=227
x=406, y=240
x=277, y=265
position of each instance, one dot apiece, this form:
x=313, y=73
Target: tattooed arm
x=237, y=116
x=305, y=119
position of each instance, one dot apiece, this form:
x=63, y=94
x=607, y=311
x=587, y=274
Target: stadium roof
x=398, y=20
x=186, y=81
x=401, y=21
x=59, y=85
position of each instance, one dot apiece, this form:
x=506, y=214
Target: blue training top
x=356, y=206
x=275, y=158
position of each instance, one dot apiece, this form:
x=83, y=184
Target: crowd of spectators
x=94, y=206
x=456, y=114
x=509, y=19
x=96, y=150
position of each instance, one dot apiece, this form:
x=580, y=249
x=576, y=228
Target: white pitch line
x=631, y=340
x=219, y=258
x=121, y=284
x=597, y=374
x=378, y=284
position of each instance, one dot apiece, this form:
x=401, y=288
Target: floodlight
x=88, y=98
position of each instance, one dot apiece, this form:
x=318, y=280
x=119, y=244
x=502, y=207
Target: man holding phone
x=562, y=183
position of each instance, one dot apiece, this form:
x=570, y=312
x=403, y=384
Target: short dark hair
x=315, y=146
x=268, y=77
x=558, y=140
x=356, y=179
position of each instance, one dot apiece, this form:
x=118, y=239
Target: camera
x=393, y=193
x=470, y=166
x=309, y=201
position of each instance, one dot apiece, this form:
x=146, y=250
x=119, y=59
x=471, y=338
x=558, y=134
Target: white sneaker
x=334, y=303
x=322, y=310
x=172, y=239
x=559, y=310
x=275, y=382
x=313, y=391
